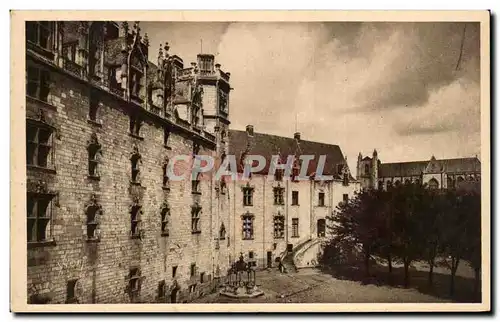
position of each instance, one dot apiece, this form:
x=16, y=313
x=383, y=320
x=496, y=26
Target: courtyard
x=312, y=285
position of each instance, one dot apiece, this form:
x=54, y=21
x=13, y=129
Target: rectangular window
x=345, y=197
x=279, y=226
x=278, y=175
x=93, y=107
x=71, y=291
x=247, y=227
x=192, y=270
x=38, y=33
x=295, y=227
x=174, y=271
x=321, y=199
x=162, y=289
x=135, y=126
x=295, y=198
x=135, y=220
x=195, y=219
x=195, y=186
x=278, y=196
x=39, y=217
x=39, y=141
x=247, y=196
x=165, y=215
x=202, y=278
x=38, y=83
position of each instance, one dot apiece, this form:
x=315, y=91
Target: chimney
x=296, y=136
x=249, y=130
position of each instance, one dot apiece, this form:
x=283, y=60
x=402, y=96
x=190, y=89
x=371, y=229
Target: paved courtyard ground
x=315, y=286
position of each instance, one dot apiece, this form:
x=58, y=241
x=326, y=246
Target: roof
x=416, y=168
x=268, y=145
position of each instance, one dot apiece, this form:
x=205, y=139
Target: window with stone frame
x=39, y=144
x=279, y=195
x=279, y=226
x=37, y=82
x=295, y=227
x=345, y=198
x=248, y=228
x=73, y=291
x=162, y=290
x=192, y=270
x=39, y=217
x=93, y=212
x=165, y=218
x=195, y=185
x=295, y=198
x=278, y=174
x=135, y=162
x=195, y=219
x=135, y=211
x=39, y=33
x=134, y=281
x=222, y=232
x=135, y=124
x=248, y=196
x=94, y=152
x=321, y=199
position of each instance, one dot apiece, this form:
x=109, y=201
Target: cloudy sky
x=390, y=86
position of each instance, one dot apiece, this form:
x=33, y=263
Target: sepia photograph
x=310, y=161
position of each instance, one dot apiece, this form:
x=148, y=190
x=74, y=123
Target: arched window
x=433, y=184
x=367, y=169
x=397, y=183
x=407, y=181
x=381, y=184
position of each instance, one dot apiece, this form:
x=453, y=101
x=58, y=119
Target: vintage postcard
x=250, y=161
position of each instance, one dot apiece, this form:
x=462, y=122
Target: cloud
x=390, y=86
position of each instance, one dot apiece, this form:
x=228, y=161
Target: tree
x=357, y=223
x=461, y=232
x=432, y=208
x=471, y=203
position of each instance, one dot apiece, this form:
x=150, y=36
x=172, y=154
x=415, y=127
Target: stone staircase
x=306, y=254
x=288, y=260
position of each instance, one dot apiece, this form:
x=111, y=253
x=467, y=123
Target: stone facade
x=103, y=224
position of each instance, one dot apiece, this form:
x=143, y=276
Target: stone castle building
x=104, y=222
x=436, y=174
